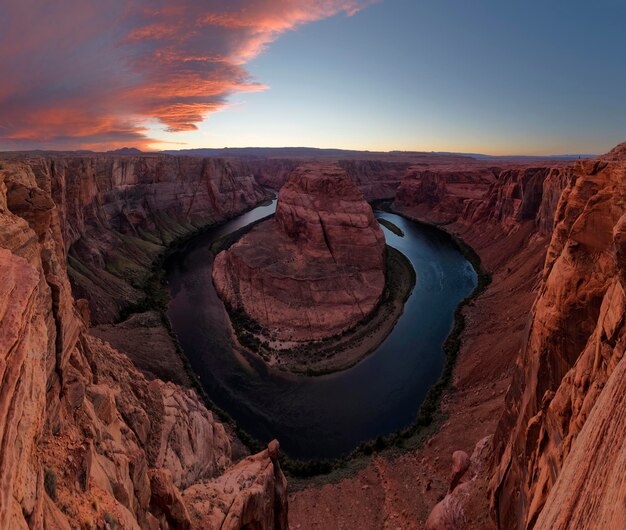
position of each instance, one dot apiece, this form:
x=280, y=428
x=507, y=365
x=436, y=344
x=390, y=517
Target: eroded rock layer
x=119, y=212
x=86, y=440
x=561, y=439
x=314, y=270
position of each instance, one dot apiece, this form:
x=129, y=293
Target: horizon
x=119, y=150
x=439, y=77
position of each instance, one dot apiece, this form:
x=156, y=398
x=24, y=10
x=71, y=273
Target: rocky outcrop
x=22, y=334
x=252, y=494
x=117, y=213
x=314, y=270
x=450, y=512
x=560, y=441
x=522, y=194
x=85, y=439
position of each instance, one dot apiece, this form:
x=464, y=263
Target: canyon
x=93, y=429
x=87, y=440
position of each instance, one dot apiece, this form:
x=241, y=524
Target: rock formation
x=314, y=270
x=85, y=439
x=560, y=441
x=376, y=179
x=442, y=194
x=252, y=494
x=450, y=513
x=118, y=213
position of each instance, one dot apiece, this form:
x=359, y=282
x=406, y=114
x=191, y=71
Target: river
x=326, y=416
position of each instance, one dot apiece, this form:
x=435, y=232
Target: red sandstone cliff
x=314, y=270
x=561, y=440
x=559, y=445
x=147, y=453
x=83, y=435
x=377, y=179
x=117, y=213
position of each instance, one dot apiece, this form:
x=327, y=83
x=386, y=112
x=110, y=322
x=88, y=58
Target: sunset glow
x=115, y=65
x=354, y=74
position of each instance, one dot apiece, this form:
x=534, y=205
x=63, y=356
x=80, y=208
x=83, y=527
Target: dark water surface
x=324, y=416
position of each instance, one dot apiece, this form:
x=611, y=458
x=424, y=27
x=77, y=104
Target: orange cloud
x=79, y=74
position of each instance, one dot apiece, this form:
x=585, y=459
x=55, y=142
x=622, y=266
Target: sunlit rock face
x=84, y=437
x=560, y=442
x=314, y=270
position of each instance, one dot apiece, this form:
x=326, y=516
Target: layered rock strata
x=85, y=440
x=119, y=212
x=314, y=270
x=560, y=442
x=377, y=179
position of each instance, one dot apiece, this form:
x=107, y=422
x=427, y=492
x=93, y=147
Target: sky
x=486, y=76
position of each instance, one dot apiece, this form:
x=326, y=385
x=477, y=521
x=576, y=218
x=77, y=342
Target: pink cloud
x=78, y=73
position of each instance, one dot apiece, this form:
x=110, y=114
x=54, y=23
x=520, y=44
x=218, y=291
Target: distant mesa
x=314, y=270
x=126, y=151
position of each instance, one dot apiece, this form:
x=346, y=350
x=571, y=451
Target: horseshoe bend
x=417, y=323
x=103, y=375
x=307, y=277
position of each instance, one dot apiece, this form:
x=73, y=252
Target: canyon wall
x=117, y=213
x=560, y=443
x=503, y=196
x=85, y=439
x=558, y=447
x=377, y=179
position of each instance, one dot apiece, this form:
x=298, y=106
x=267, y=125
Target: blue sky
x=498, y=77
x=493, y=77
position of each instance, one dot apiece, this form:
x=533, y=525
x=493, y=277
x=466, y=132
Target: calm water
x=330, y=415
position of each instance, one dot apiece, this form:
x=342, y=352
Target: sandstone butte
x=314, y=270
x=86, y=438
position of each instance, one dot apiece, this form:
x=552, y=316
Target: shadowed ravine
x=327, y=416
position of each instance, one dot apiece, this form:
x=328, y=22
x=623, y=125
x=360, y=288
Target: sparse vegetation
x=110, y=520
x=400, y=280
x=50, y=483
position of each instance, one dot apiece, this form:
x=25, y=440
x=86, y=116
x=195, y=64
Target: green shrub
x=110, y=521
x=50, y=483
